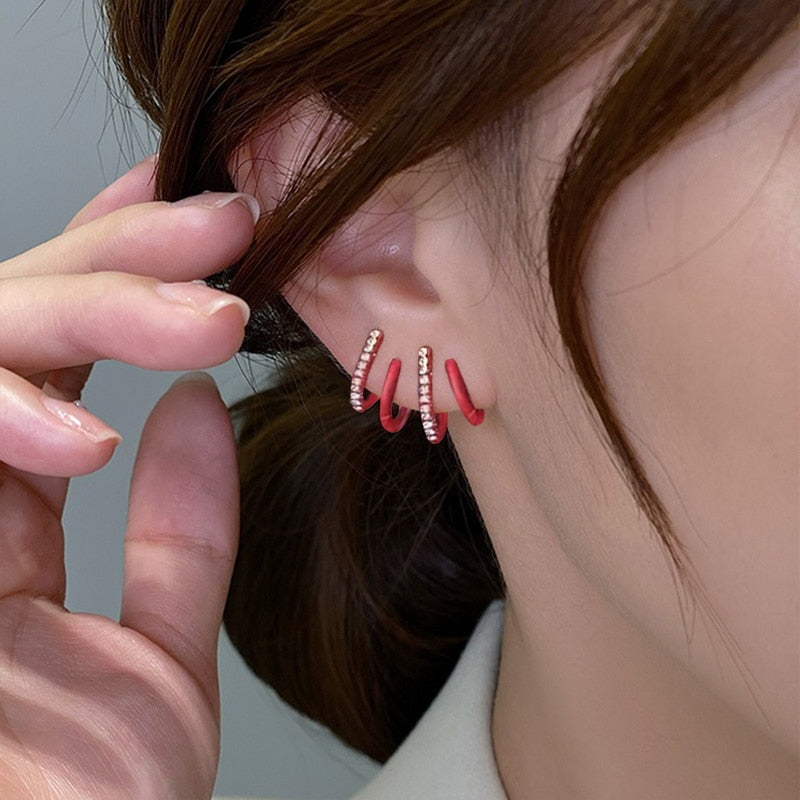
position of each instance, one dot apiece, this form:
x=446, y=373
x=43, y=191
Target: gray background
x=61, y=140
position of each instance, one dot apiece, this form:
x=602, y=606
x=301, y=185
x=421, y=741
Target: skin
x=80, y=693
x=693, y=298
x=616, y=680
x=606, y=689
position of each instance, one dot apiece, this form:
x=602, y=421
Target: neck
x=586, y=709
x=587, y=705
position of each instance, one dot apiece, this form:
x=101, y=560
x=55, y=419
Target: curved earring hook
x=474, y=415
x=391, y=423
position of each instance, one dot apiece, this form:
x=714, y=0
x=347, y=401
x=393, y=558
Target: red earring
x=434, y=425
x=360, y=400
x=391, y=423
x=474, y=415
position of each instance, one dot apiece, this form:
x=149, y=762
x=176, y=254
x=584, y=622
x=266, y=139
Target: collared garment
x=449, y=755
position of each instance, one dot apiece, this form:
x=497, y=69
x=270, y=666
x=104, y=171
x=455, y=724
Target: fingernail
x=222, y=199
x=196, y=377
x=201, y=298
x=79, y=419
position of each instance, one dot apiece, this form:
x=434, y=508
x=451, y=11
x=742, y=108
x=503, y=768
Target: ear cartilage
x=434, y=425
x=360, y=399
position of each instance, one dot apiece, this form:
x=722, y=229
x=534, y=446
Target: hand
x=90, y=707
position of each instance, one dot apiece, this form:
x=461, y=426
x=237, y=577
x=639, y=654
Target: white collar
x=448, y=755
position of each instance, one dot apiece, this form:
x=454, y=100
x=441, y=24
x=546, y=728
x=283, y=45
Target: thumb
x=183, y=526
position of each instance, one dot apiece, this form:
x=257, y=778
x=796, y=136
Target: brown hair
x=363, y=562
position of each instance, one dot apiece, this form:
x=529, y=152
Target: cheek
x=693, y=288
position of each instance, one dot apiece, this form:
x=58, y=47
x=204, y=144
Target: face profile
x=516, y=512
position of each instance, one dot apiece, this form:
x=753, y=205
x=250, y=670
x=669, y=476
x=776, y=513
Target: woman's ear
x=411, y=262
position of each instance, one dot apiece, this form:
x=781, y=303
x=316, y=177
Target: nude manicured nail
x=196, y=377
x=222, y=199
x=79, y=419
x=201, y=298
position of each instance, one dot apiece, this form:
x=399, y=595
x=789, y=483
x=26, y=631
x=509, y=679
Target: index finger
x=137, y=185
x=189, y=239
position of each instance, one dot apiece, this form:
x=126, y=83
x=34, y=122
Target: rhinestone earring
x=434, y=424
x=360, y=399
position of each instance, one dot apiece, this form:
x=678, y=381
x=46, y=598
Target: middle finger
x=58, y=321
